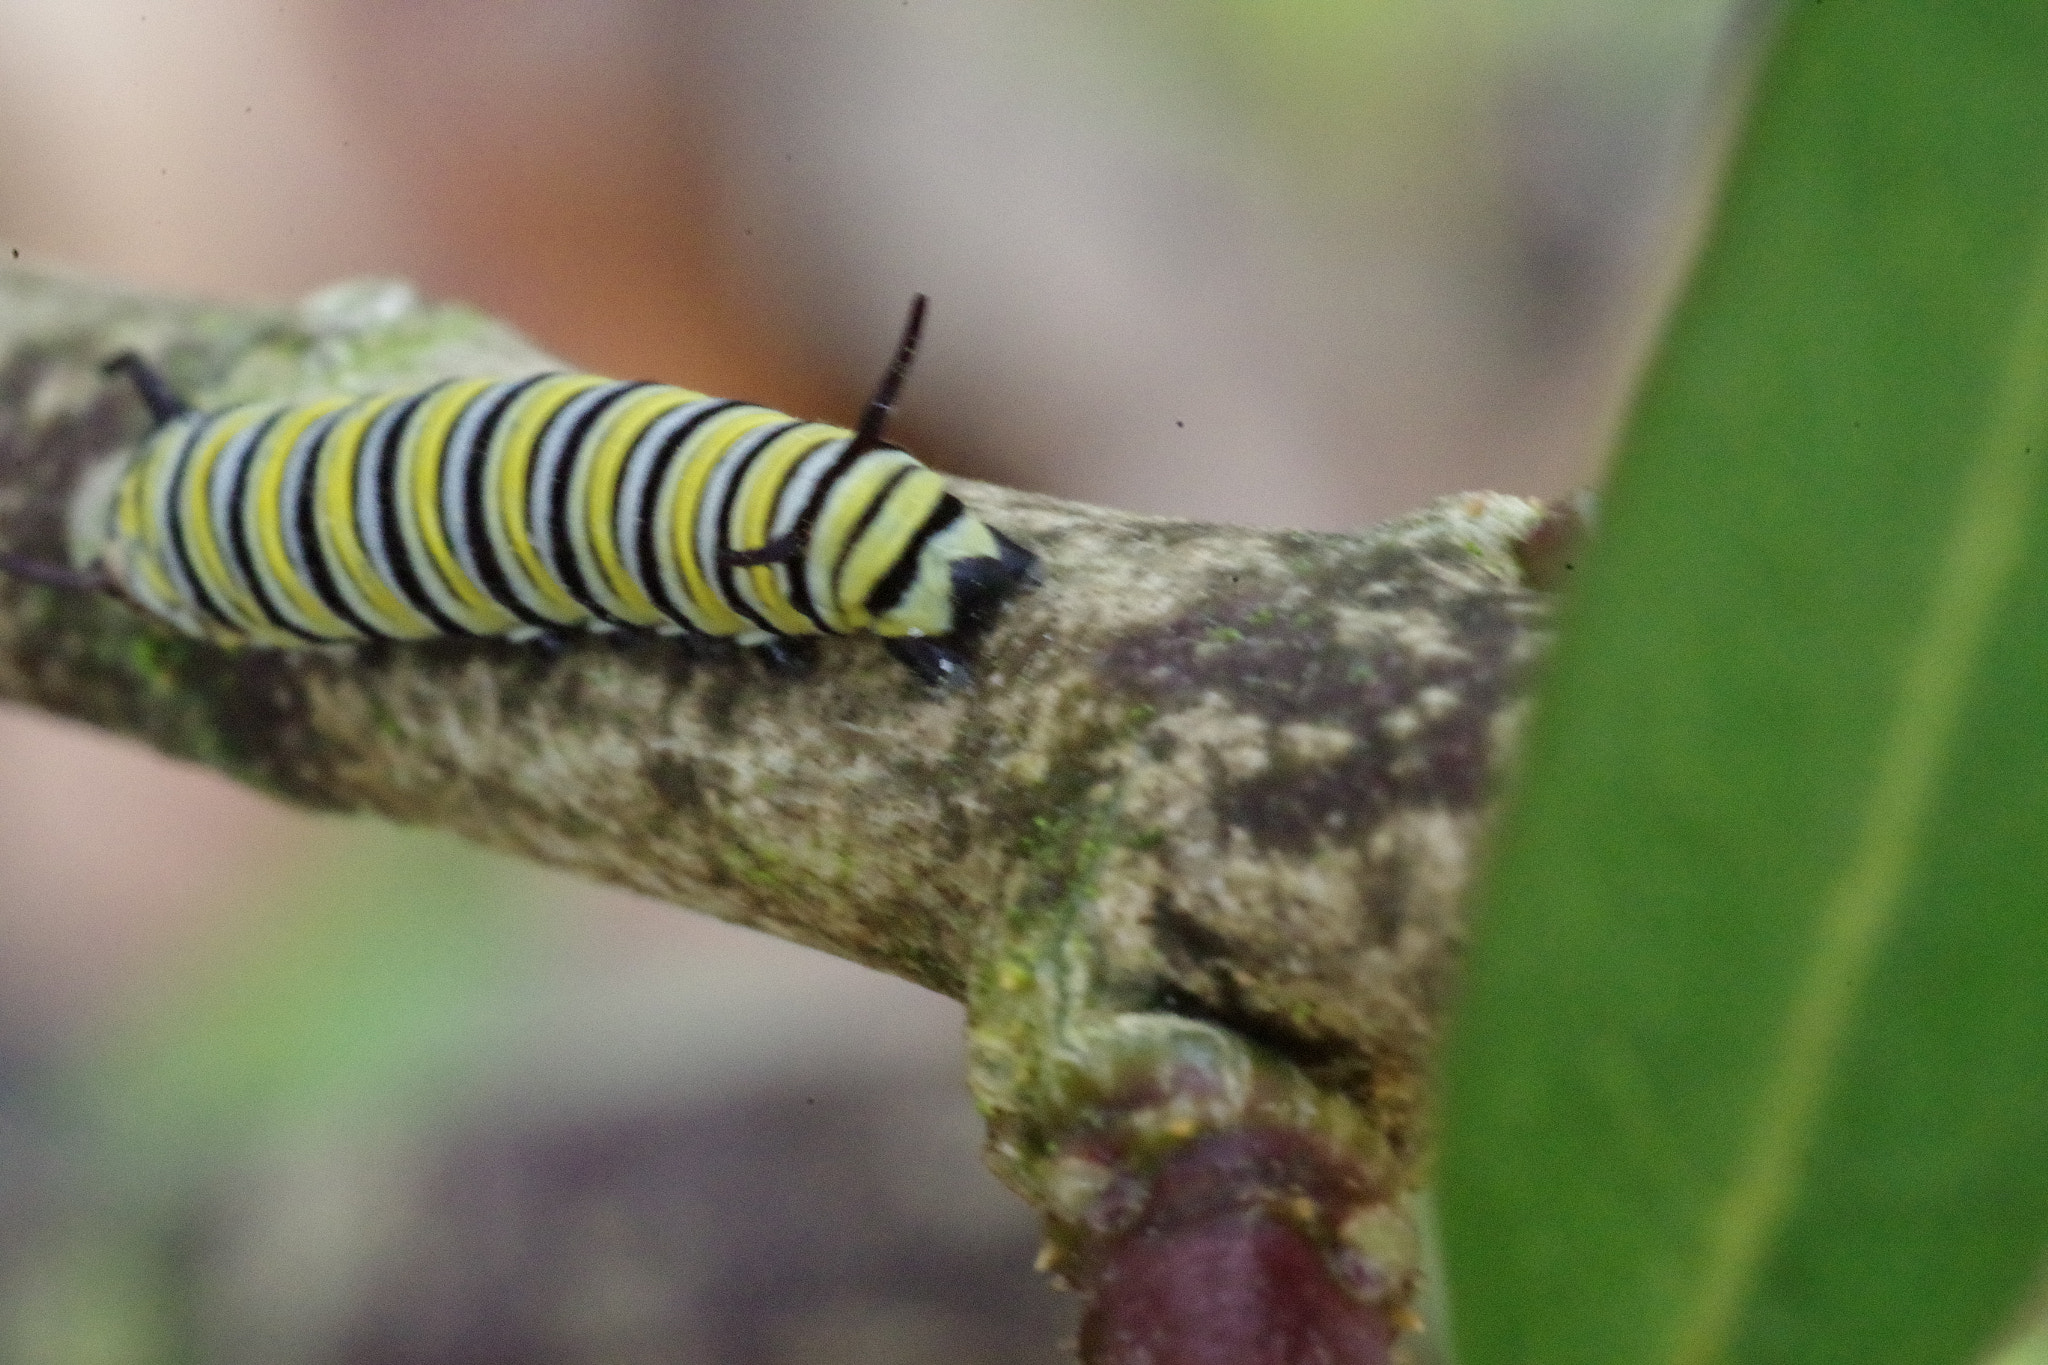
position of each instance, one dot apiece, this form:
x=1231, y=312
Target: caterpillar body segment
x=527, y=506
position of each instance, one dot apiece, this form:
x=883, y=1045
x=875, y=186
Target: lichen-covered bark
x=1192, y=848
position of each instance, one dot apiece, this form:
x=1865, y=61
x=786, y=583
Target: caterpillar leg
x=936, y=664
x=157, y=394
x=787, y=658
x=549, y=644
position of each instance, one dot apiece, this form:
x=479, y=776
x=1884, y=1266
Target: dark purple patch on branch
x=1233, y=1263
x=41, y=462
x=1290, y=666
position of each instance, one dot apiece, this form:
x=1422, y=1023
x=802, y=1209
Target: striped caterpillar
x=528, y=506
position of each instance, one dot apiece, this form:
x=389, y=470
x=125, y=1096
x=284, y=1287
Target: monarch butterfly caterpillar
x=525, y=506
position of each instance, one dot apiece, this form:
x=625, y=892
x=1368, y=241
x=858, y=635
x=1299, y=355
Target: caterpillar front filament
x=527, y=506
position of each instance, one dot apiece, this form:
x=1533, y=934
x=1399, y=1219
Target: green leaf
x=1753, y=1064
x=2031, y=1348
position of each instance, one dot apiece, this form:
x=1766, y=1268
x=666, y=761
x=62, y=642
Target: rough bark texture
x=1192, y=850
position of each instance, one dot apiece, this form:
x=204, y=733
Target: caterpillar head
x=948, y=597
x=953, y=586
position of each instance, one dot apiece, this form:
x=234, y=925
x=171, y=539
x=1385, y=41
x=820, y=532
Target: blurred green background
x=276, y=1088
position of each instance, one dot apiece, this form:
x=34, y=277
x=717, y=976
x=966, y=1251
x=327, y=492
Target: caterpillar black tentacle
x=158, y=396
x=532, y=505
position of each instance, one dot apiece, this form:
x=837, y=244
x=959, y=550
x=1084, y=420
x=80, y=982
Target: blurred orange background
x=1305, y=264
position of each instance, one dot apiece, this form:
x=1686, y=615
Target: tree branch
x=1191, y=850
